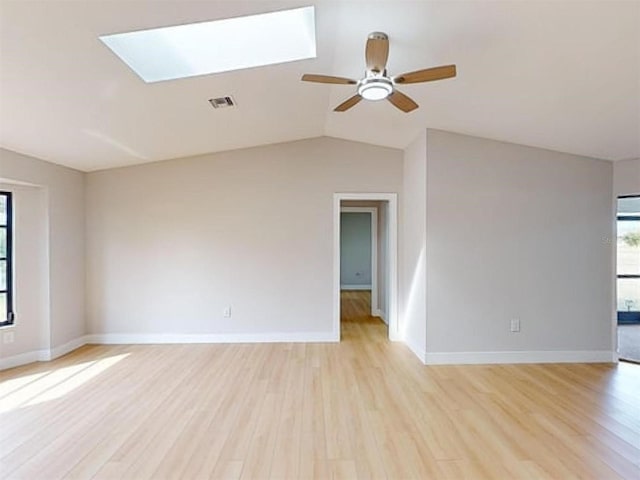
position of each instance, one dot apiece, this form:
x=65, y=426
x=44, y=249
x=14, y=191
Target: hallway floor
x=355, y=316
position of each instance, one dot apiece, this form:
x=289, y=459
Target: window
x=182, y=51
x=6, y=263
x=628, y=268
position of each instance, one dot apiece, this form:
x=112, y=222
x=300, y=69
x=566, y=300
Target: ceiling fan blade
x=377, y=51
x=426, y=75
x=347, y=104
x=327, y=79
x=401, y=101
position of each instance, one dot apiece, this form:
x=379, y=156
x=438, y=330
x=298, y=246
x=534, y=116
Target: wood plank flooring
x=361, y=409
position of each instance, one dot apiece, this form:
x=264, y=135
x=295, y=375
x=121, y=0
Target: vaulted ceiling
x=562, y=75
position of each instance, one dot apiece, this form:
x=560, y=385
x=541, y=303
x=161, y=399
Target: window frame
x=634, y=315
x=10, y=316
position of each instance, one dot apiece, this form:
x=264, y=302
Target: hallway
x=355, y=317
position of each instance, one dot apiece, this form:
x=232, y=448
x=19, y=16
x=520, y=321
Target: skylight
x=219, y=46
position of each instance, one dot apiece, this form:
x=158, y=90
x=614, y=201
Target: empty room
x=319, y=240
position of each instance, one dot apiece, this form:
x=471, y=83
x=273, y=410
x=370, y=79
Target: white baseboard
x=67, y=347
x=474, y=358
x=23, y=359
x=440, y=358
x=159, y=338
x=355, y=287
x=43, y=355
x=381, y=314
x=417, y=350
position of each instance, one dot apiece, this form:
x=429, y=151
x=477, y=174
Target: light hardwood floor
x=363, y=408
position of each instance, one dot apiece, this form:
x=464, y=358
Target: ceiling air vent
x=222, y=102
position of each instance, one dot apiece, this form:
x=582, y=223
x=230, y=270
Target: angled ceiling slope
x=561, y=75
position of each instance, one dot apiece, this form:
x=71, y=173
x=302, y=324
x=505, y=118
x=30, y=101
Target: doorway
x=368, y=279
x=359, y=229
x=359, y=252
x=628, y=277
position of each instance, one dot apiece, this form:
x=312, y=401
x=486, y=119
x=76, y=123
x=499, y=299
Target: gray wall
x=50, y=215
x=355, y=249
x=516, y=232
x=413, y=260
x=250, y=228
x=626, y=177
x=31, y=271
x=489, y=231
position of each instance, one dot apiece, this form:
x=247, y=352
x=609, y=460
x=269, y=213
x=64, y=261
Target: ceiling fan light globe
x=375, y=89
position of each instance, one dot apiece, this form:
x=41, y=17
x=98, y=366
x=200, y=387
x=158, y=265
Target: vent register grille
x=222, y=102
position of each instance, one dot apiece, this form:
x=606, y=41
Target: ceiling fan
x=377, y=84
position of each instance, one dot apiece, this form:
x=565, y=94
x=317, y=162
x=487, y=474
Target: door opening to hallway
x=365, y=281
x=362, y=273
x=356, y=320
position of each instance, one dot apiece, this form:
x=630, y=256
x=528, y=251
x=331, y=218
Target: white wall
x=31, y=271
x=49, y=269
x=516, y=232
x=626, y=177
x=171, y=244
x=489, y=231
x=383, y=261
x=413, y=259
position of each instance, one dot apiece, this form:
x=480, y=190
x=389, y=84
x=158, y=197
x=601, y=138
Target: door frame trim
x=392, y=255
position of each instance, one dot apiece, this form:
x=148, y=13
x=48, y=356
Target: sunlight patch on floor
x=14, y=384
x=54, y=384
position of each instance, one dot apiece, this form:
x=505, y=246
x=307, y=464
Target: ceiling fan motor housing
x=378, y=36
x=375, y=87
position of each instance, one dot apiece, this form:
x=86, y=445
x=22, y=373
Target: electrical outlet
x=8, y=337
x=227, y=312
x=515, y=324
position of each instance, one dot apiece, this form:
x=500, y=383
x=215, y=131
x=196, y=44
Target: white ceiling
x=562, y=75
